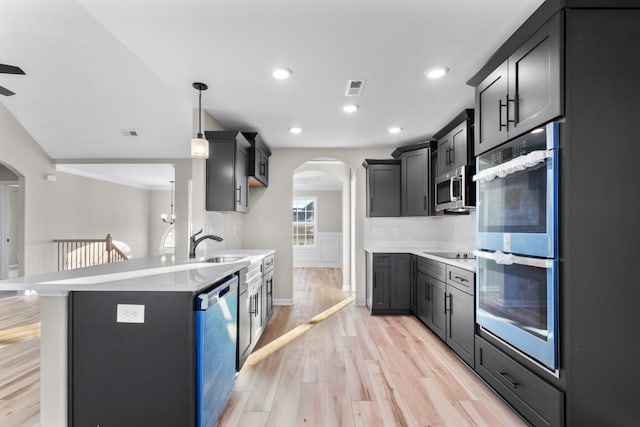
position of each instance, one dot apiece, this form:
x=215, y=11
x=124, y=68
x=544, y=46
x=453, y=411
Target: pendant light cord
x=200, y=113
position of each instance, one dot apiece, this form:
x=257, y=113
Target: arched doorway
x=322, y=218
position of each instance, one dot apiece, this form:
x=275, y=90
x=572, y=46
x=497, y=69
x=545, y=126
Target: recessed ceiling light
x=350, y=108
x=436, y=72
x=395, y=129
x=282, y=73
x=537, y=130
x=295, y=130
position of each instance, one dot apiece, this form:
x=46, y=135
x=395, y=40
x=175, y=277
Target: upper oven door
x=517, y=195
x=516, y=300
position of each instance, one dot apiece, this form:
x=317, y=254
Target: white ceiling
x=148, y=176
x=95, y=67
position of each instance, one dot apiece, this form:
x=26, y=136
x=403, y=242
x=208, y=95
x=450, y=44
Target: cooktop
x=451, y=255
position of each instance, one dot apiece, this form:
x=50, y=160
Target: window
x=169, y=240
x=304, y=221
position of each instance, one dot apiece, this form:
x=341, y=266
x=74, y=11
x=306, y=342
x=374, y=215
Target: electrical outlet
x=130, y=313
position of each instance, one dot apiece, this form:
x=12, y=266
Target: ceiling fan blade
x=6, y=92
x=10, y=69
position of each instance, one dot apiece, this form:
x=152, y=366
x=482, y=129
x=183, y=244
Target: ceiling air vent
x=354, y=87
x=129, y=132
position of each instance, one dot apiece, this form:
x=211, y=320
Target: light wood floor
x=354, y=369
x=314, y=291
x=19, y=361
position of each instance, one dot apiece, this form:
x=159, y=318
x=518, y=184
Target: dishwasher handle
x=220, y=289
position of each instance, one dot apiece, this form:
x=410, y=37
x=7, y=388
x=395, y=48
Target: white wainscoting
x=327, y=252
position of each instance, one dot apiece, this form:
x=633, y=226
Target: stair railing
x=79, y=253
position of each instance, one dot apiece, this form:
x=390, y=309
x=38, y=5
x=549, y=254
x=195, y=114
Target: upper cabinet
x=383, y=187
x=227, y=179
x=415, y=167
x=523, y=92
x=259, y=155
x=455, y=144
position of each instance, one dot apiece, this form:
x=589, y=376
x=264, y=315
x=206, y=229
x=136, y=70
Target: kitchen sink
x=224, y=259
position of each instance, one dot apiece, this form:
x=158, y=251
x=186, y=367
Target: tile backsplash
x=455, y=232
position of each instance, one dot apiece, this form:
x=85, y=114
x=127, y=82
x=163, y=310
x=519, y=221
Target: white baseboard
x=283, y=301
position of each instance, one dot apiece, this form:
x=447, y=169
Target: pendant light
x=171, y=218
x=199, y=145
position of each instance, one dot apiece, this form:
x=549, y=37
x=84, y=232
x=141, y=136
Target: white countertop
x=466, y=264
x=157, y=273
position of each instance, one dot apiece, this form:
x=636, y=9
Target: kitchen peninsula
x=150, y=302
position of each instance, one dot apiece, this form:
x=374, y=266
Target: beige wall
x=159, y=203
x=14, y=224
x=329, y=209
x=268, y=223
x=25, y=157
x=90, y=209
x=6, y=174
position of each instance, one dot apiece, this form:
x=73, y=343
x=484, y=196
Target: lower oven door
x=517, y=300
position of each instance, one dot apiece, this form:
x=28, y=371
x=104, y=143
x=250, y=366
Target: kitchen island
x=164, y=281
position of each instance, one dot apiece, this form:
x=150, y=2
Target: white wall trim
x=327, y=253
x=283, y=301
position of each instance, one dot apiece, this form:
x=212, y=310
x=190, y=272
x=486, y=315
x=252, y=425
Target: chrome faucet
x=194, y=242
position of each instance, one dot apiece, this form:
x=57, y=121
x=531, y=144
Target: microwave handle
x=452, y=197
x=508, y=259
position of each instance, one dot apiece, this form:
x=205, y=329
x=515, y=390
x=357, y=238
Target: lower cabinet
x=446, y=305
x=539, y=402
x=389, y=287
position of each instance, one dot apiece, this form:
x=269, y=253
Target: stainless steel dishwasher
x=216, y=332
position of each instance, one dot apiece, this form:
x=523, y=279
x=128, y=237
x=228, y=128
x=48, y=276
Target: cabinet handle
x=262, y=168
x=371, y=204
x=425, y=203
x=447, y=310
x=508, y=378
x=500, y=107
x=452, y=154
x=238, y=191
x=515, y=111
x=462, y=279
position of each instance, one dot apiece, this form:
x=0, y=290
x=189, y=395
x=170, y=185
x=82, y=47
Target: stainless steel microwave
x=455, y=191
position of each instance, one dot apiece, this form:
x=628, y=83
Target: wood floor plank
x=253, y=419
x=234, y=409
x=285, y=405
x=311, y=407
x=389, y=404
x=366, y=414
x=339, y=411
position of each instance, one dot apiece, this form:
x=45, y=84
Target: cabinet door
x=444, y=147
x=244, y=326
x=422, y=286
x=461, y=324
x=414, y=196
x=256, y=315
x=383, y=187
x=268, y=300
x=242, y=180
x=413, y=286
x=458, y=149
x=400, y=286
x=491, y=110
x=263, y=167
x=380, y=294
x=535, y=81
x=438, y=322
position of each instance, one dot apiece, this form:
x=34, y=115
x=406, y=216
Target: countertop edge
x=469, y=265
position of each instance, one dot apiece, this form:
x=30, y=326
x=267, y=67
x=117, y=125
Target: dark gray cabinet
x=227, y=183
x=523, y=92
x=267, y=287
x=446, y=305
x=389, y=287
x=259, y=155
x=383, y=187
x=415, y=166
x=455, y=143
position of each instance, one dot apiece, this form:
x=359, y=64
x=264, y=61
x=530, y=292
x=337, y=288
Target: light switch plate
x=130, y=313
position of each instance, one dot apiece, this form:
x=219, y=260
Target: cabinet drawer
x=381, y=260
x=461, y=279
x=267, y=263
x=434, y=269
x=539, y=402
